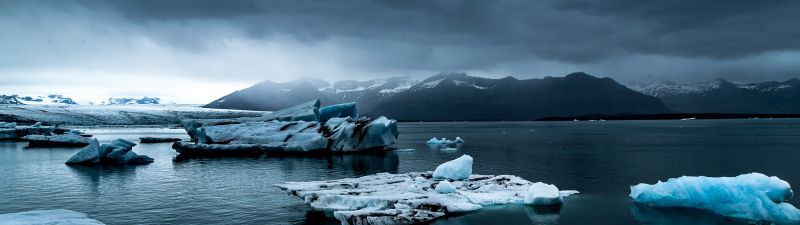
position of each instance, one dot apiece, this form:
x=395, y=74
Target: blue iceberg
x=752, y=196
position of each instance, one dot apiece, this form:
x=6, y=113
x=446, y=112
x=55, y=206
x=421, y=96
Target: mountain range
x=63, y=100
x=454, y=96
x=721, y=96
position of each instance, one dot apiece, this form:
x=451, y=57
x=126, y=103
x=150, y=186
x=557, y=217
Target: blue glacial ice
x=338, y=111
x=457, y=169
x=752, y=196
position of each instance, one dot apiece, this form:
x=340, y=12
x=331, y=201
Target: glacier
x=47, y=217
x=417, y=197
x=301, y=129
x=752, y=196
x=117, y=152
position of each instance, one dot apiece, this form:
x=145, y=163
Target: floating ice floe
x=12, y=131
x=66, y=139
x=157, y=139
x=444, y=141
x=305, y=128
x=419, y=197
x=445, y=144
x=116, y=152
x=47, y=217
x=752, y=196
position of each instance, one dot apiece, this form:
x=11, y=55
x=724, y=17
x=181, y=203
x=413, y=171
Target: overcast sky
x=194, y=51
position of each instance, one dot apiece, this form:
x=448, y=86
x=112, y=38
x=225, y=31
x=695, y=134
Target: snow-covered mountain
x=129, y=101
x=269, y=95
x=721, y=96
x=454, y=96
x=37, y=100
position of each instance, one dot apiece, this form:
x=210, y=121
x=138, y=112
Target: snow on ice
x=418, y=197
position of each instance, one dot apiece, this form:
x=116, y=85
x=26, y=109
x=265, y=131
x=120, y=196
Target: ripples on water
x=598, y=158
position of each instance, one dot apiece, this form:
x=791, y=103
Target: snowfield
x=99, y=115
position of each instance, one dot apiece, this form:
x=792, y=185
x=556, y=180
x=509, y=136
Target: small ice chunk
x=542, y=194
x=37, y=124
x=459, y=140
x=457, y=169
x=752, y=196
x=445, y=187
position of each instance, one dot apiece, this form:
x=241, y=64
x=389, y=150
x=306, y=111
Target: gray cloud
x=246, y=41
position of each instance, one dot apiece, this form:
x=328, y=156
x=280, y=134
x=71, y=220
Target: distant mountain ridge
x=128, y=101
x=61, y=99
x=28, y=100
x=454, y=96
x=722, y=96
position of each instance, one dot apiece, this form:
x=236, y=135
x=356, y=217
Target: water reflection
x=645, y=214
x=359, y=164
x=94, y=176
x=508, y=214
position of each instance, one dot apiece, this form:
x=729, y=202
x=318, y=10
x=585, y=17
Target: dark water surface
x=600, y=159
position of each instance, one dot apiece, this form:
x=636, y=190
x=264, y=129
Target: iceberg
x=303, y=129
x=445, y=144
x=416, y=197
x=457, y=169
x=66, y=139
x=12, y=131
x=117, y=152
x=752, y=196
x=47, y=217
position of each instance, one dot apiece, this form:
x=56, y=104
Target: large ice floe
x=420, y=197
x=305, y=128
x=66, y=139
x=117, y=152
x=12, y=131
x=752, y=196
x=47, y=217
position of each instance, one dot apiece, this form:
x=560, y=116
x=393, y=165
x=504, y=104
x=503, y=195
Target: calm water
x=600, y=159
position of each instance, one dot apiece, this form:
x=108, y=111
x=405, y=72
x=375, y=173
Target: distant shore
x=671, y=116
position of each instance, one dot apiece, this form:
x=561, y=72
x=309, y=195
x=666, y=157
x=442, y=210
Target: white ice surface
x=47, y=217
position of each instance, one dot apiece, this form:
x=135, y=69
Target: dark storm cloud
x=571, y=31
x=255, y=40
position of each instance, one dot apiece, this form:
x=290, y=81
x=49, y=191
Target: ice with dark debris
x=305, y=128
x=420, y=197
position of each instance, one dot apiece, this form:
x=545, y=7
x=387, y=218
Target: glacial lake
x=598, y=158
